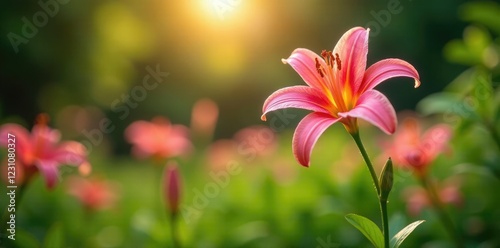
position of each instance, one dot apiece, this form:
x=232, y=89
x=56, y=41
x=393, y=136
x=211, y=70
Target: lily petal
x=303, y=61
x=134, y=133
x=70, y=153
x=385, y=69
x=47, y=134
x=49, y=170
x=352, y=49
x=375, y=108
x=307, y=133
x=302, y=97
x=22, y=138
x=44, y=138
x=177, y=143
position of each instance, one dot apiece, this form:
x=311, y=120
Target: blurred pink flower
x=256, y=141
x=158, y=138
x=417, y=199
x=41, y=150
x=172, y=187
x=220, y=153
x=450, y=193
x=410, y=148
x=94, y=194
x=204, y=117
x=340, y=89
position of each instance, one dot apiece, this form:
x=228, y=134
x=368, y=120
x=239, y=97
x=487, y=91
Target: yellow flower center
x=340, y=96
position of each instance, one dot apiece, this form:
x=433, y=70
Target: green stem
x=385, y=221
x=173, y=230
x=439, y=207
x=357, y=139
x=382, y=202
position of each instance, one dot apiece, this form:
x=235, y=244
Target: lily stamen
x=319, y=68
x=339, y=62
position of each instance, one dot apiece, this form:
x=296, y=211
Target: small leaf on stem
x=368, y=228
x=398, y=239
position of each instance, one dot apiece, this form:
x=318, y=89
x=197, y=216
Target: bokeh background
x=80, y=65
x=90, y=53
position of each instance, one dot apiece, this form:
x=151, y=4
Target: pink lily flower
x=158, y=138
x=94, y=194
x=41, y=150
x=340, y=89
x=416, y=151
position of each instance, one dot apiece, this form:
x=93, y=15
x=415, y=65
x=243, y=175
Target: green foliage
x=474, y=49
x=486, y=13
x=266, y=205
x=25, y=240
x=308, y=207
x=54, y=237
x=471, y=102
x=368, y=228
x=398, y=239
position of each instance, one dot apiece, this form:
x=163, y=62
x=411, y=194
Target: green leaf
x=398, y=239
x=461, y=85
x=367, y=228
x=438, y=103
x=452, y=106
x=457, y=52
x=483, y=93
x=54, y=237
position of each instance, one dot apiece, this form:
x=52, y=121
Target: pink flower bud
x=172, y=187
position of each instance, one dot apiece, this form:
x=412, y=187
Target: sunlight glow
x=222, y=9
x=225, y=59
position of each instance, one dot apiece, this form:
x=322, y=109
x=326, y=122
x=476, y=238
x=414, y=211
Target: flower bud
x=172, y=187
x=386, y=180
